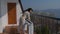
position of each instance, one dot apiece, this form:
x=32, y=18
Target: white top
x=27, y=15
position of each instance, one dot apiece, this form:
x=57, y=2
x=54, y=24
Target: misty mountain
x=54, y=11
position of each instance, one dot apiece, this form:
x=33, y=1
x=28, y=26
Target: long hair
x=28, y=9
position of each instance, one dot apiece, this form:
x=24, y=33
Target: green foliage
x=42, y=30
x=37, y=30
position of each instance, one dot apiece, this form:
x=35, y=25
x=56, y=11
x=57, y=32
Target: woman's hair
x=28, y=10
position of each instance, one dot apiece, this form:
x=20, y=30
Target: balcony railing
x=52, y=23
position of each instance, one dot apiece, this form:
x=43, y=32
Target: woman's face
x=30, y=11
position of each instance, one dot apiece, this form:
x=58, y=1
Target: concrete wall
x=0, y=18
x=4, y=13
x=0, y=8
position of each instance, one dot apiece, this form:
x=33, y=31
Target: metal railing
x=50, y=22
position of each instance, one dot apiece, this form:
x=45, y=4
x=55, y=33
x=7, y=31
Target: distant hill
x=55, y=11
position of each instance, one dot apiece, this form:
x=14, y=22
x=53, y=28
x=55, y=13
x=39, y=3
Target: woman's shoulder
x=27, y=12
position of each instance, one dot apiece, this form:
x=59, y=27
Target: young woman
x=26, y=16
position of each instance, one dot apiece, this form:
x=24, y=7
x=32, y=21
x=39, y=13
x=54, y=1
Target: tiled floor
x=11, y=30
x=1, y=33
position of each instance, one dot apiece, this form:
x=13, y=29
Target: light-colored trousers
x=24, y=26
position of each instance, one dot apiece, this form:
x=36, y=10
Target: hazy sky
x=41, y=4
